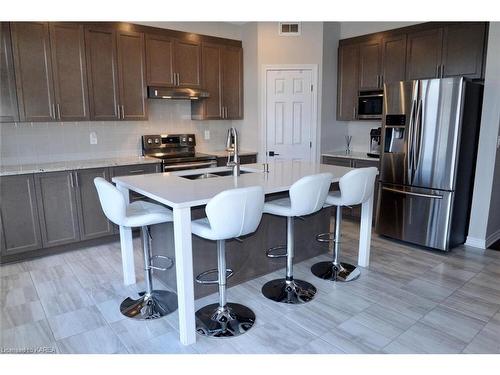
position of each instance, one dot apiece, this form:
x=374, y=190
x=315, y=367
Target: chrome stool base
x=328, y=271
x=228, y=321
x=156, y=305
x=293, y=292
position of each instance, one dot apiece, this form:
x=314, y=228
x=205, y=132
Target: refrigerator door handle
x=409, y=145
x=417, y=140
x=412, y=193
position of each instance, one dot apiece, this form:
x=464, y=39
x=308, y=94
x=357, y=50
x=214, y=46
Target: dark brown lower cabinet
x=19, y=222
x=92, y=221
x=245, y=159
x=57, y=208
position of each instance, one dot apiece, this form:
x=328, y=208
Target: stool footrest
x=171, y=264
x=271, y=250
x=326, y=237
x=199, y=278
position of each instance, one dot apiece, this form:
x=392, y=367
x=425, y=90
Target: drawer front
x=341, y=162
x=365, y=163
x=128, y=170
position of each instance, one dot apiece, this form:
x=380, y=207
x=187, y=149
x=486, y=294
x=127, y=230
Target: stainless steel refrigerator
x=430, y=131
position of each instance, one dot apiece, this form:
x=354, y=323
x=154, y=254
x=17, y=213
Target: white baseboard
x=475, y=242
x=492, y=238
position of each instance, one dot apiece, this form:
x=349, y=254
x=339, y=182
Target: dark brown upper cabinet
x=187, y=64
x=69, y=71
x=370, y=65
x=160, y=60
x=116, y=74
x=393, y=59
x=132, y=76
x=8, y=97
x=348, y=82
x=33, y=70
x=223, y=79
x=463, y=50
x=423, y=55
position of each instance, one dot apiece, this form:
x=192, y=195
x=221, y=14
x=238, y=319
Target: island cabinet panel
x=393, y=59
x=33, y=70
x=463, y=50
x=57, y=208
x=369, y=65
x=92, y=221
x=102, y=73
x=423, y=55
x=160, y=60
x=347, y=82
x=19, y=222
x=244, y=159
x=69, y=71
x=132, y=76
x=187, y=63
x=8, y=97
x=232, y=82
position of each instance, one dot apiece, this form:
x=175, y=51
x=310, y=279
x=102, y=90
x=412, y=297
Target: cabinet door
x=33, y=66
x=19, y=226
x=393, y=59
x=232, y=82
x=57, y=208
x=8, y=98
x=132, y=76
x=187, y=63
x=159, y=60
x=463, y=50
x=212, y=75
x=369, y=65
x=347, y=85
x=423, y=55
x=341, y=162
x=67, y=42
x=92, y=221
x=102, y=73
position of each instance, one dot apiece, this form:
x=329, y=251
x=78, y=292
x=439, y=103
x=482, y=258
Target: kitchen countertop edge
x=358, y=155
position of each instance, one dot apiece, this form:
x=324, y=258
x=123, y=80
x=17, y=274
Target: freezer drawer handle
x=412, y=193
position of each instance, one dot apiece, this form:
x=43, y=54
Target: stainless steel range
x=177, y=152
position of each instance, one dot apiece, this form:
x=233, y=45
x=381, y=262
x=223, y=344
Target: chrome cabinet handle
x=53, y=112
x=178, y=79
x=58, y=111
x=442, y=70
x=438, y=67
x=378, y=81
x=71, y=182
x=173, y=78
x=381, y=81
x=354, y=112
x=77, y=184
x=118, y=109
x=123, y=112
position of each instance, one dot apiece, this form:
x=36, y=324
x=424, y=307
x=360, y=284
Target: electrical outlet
x=93, y=138
x=207, y=135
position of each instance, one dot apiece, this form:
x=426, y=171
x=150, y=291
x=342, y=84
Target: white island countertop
x=359, y=155
x=176, y=191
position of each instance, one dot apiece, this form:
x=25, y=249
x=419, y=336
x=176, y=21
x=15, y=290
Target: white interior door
x=289, y=114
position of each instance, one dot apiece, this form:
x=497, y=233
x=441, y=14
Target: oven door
x=183, y=166
x=370, y=107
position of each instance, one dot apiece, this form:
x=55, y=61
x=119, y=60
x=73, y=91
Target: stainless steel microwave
x=370, y=104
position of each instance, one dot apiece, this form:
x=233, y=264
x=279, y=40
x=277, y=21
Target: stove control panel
x=158, y=141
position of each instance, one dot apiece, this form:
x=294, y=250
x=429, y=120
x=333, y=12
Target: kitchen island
x=181, y=191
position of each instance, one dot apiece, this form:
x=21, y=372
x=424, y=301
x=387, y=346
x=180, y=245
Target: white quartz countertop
x=6, y=170
x=223, y=153
x=352, y=155
x=175, y=191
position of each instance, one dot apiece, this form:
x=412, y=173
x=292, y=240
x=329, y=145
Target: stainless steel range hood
x=176, y=93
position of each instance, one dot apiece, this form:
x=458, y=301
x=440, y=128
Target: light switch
x=93, y=138
x=207, y=135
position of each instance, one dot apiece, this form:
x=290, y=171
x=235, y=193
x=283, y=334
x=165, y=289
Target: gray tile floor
x=408, y=301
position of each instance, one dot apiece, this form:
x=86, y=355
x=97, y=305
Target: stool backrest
x=356, y=186
x=308, y=194
x=112, y=200
x=235, y=212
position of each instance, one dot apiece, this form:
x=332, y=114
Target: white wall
x=485, y=212
x=352, y=29
x=219, y=29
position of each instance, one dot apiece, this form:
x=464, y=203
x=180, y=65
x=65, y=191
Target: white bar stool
x=356, y=187
x=307, y=196
x=153, y=304
x=232, y=213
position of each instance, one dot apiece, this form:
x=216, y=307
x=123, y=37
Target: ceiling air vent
x=289, y=28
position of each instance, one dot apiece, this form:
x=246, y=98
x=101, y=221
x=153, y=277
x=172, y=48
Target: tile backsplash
x=360, y=132
x=26, y=143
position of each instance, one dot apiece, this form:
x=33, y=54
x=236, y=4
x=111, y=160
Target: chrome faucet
x=232, y=146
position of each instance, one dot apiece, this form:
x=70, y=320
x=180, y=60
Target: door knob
x=272, y=153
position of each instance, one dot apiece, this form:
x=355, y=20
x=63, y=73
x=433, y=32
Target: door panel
x=32, y=60
x=424, y=54
x=8, y=98
x=394, y=59
x=187, y=63
x=102, y=73
x=70, y=73
x=289, y=113
x=347, y=82
x=159, y=59
x=369, y=65
x=419, y=216
x=19, y=226
x=132, y=73
x=463, y=50
x=57, y=208
x=232, y=82
x=437, y=133
x=212, y=73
